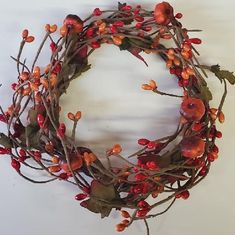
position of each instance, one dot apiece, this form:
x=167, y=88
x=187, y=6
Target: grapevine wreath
x=36, y=139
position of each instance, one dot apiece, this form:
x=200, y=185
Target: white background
x=115, y=109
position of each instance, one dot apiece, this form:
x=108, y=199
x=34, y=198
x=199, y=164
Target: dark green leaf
x=5, y=141
x=32, y=136
x=205, y=93
x=32, y=115
x=97, y=207
x=125, y=44
x=223, y=74
x=107, y=193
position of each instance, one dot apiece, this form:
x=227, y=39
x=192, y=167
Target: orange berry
x=117, y=40
x=171, y=51
x=89, y=158
x=213, y=110
x=190, y=71
x=78, y=115
x=54, y=169
x=33, y=86
x=146, y=87
x=102, y=27
x=63, y=31
x=36, y=72
x=221, y=117
x=153, y=84
x=29, y=39
x=47, y=28
x=116, y=149
x=25, y=33
x=169, y=63
x=120, y=227
x=44, y=82
x=177, y=61
x=125, y=222
x=185, y=75
x=53, y=28
x=53, y=80
x=24, y=76
x=125, y=214
x=55, y=160
x=71, y=116
x=26, y=91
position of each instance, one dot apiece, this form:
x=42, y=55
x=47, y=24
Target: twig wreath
x=37, y=140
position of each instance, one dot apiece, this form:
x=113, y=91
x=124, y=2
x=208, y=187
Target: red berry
x=210, y=157
x=197, y=127
x=151, y=165
x=40, y=120
x=147, y=28
x=14, y=86
x=113, y=29
x=218, y=134
x=143, y=141
x=203, y=171
x=138, y=25
x=22, y=153
x=178, y=15
x=97, y=12
x=80, y=196
x=126, y=8
x=37, y=155
x=139, y=18
x=118, y=23
x=143, y=204
x=185, y=194
x=140, y=177
x=3, y=118
x=95, y=45
x=142, y=213
x=15, y=164
x=53, y=46
x=172, y=71
x=152, y=145
x=195, y=40
x=3, y=151
x=61, y=130
x=63, y=176
x=215, y=149
x=90, y=32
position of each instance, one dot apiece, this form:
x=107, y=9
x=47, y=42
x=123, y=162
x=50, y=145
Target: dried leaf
x=104, y=192
x=97, y=207
x=5, y=141
x=205, y=93
x=136, y=52
x=223, y=74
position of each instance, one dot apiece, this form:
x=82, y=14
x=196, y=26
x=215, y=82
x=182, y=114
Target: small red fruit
x=15, y=164
x=185, y=194
x=81, y=196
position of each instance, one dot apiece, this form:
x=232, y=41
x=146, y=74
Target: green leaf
x=32, y=115
x=5, y=141
x=205, y=93
x=104, y=192
x=125, y=44
x=223, y=74
x=96, y=206
x=32, y=136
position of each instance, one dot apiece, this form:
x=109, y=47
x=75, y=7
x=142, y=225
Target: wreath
x=36, y=139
